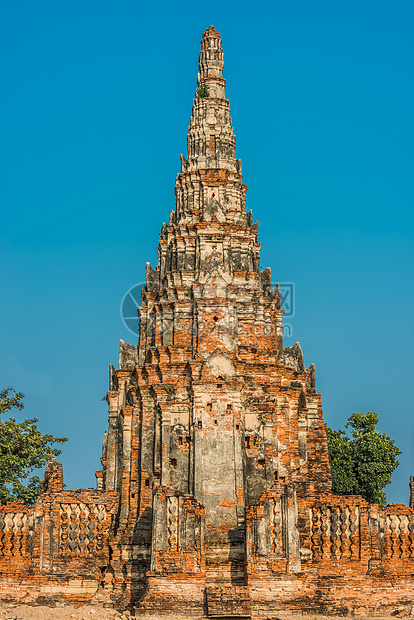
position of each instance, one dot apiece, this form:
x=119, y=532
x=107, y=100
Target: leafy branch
x=203, y=91
x=363, y=463
x=23, y=449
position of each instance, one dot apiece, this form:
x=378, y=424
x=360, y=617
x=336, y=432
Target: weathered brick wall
x=178, y=533
x=16, y=538
x=59, y=548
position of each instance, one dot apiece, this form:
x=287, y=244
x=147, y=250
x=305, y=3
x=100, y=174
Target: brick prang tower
x=209, y=408
x=214, y=498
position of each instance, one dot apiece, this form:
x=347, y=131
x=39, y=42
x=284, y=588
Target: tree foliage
x=362, y=463
x=203, y=90
x=23, y=449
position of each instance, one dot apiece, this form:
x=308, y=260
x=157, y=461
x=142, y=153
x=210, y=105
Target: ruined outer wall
x=328, y=555
x=58, y=549
x=352, y=557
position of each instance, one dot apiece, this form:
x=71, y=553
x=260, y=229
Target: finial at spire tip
x=211, y=32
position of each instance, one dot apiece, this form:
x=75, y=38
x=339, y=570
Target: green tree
x=23, y=448
x=362, y=463
x=203, y=91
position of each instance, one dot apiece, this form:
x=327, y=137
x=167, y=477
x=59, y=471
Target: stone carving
x=128, y=357
x=311, y=380
x=16, y=532
x=81, y=528
x=294, y=357
x=152, y=278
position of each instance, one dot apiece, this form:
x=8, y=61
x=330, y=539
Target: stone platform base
x=27, y=612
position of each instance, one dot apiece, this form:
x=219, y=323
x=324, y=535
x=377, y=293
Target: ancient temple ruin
x=214, y=498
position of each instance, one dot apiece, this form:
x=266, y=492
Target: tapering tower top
x=210, y=140
x=211, y=56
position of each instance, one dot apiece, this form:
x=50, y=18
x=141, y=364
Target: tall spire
x=211, y=141
x=210, y=248
x=209, y=415
x=210, y=61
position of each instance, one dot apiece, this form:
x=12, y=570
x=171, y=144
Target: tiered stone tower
x=215, y=494
x=209, y=407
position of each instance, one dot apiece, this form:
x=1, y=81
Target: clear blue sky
x=94, y=108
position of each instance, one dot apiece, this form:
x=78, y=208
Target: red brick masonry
x=215, y=495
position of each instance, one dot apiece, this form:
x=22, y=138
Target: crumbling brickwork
x=215, y=495
x=58, y=549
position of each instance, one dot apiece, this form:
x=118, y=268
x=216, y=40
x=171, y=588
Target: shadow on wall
x=237, y=556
